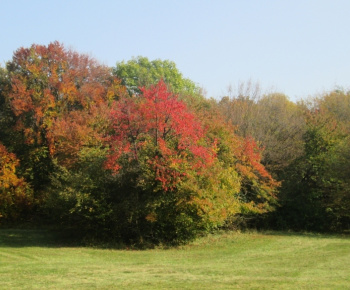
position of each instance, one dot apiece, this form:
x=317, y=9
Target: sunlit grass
x=37, y=259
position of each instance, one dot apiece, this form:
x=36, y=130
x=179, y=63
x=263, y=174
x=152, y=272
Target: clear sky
x=297, y=47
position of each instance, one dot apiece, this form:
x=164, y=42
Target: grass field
x=33, y=259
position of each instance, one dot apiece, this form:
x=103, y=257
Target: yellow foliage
x=14, y=192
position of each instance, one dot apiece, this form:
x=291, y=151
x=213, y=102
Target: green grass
x=38, y=259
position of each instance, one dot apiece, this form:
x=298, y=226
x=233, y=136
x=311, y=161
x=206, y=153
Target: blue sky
x=296, y=47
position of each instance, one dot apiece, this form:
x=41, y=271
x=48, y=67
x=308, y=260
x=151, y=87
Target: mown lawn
x=38, y=259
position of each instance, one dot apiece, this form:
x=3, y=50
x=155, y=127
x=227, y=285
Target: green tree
x=339, y=205
x=311, y=185
x=141, y=72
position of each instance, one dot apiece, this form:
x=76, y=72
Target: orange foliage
x=77, y=129
x=50, y=87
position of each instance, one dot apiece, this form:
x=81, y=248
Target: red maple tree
x=159, y=120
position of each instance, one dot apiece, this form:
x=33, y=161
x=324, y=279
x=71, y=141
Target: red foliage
x=158, y=119
x=251, y=154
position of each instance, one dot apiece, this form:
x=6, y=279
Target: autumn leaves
x=134, y=165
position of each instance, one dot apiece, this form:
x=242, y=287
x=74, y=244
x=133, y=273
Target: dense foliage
x=135, y=154
x=304, y=148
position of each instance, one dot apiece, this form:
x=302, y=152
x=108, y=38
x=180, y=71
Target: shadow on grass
x=17, y=238
x=308, y=234
x=57, y=238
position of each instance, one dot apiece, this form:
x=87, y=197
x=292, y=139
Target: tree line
x=137, y=154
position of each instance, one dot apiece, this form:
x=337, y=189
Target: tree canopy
x=141, y=72
x=137, y=155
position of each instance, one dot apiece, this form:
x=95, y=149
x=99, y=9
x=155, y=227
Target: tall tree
x=156, y=144
x=49, y=85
